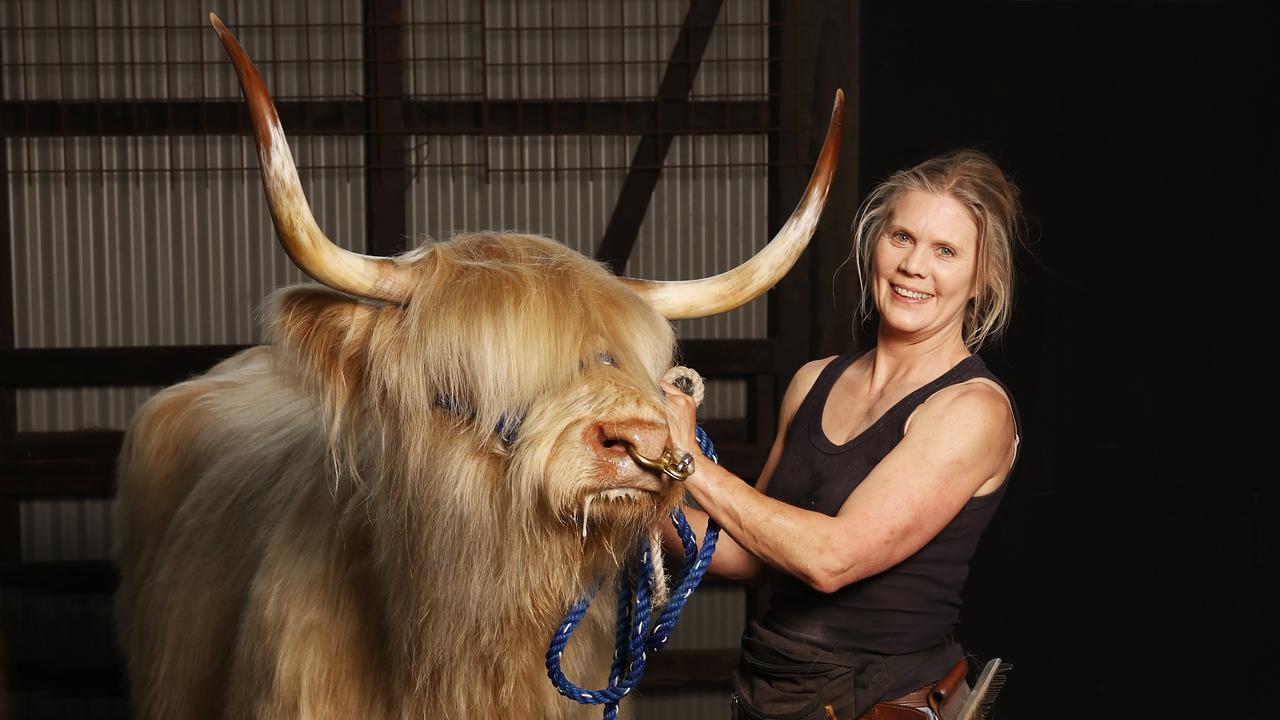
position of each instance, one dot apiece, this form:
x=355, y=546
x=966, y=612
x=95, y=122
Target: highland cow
x=380, y=514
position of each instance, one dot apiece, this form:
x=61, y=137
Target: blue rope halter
x=634, y=636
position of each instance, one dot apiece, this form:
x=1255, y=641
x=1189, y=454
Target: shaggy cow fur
x=330, y=527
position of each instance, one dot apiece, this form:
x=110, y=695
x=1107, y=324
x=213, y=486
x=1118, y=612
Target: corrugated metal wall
x=167, y=240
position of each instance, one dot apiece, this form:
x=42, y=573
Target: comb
x=983, y=697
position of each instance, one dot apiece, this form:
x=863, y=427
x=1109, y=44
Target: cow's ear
x=322, y=336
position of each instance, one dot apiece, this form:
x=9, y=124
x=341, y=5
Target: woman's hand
x=682, y=419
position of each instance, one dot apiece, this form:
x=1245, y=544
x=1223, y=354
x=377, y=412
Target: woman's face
x=924, y=265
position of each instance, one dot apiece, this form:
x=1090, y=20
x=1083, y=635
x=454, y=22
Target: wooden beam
x=10, y=527
x=164, y=365
x=728, y=358
x=108, y=366
x=673, y=98
x=561, y=117
x=74, y=680
x=386, y=175
x=81, y=576
x=690, y=669
x=68, y=479
x=48, y=118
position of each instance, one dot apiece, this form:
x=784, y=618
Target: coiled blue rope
x=634, y=637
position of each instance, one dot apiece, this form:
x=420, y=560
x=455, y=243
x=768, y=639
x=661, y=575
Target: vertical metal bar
x=26, y=86
x=97, y=89
x=385, y=173
x=273, y=75
x=519, y=70
x=729, y=63
x=657, y=53
x=762, y=408
x=789, y=319
x=588, y=70
x=448, y=78
x=7, y=303
x=62, y=89
x=132, y=91
x=555, y=94
x=204, y=100
x=484, y=86
x=308, y=68
x=10, y=532
x=346, y=89
x=168, y=85
x=622, y=54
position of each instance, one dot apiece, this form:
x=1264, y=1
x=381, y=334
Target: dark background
x=1124, y=574
x=1125, y=571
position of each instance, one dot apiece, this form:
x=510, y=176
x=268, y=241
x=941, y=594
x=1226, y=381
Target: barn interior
x=670, y=139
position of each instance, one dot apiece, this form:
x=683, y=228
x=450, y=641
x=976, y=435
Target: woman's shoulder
x=801, y=383
x=807, y=376
x=978, y=402
x=809, y=372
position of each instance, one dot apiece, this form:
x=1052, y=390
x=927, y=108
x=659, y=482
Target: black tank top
x=911, y=606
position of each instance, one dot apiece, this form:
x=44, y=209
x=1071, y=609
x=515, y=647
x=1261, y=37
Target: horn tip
x=217, y=23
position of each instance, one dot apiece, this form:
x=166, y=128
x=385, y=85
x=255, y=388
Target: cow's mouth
x=623, y=493
x=611, y=501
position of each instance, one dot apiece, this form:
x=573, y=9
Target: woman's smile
x=910, y=296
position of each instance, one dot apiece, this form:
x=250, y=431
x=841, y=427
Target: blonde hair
x=975, y=181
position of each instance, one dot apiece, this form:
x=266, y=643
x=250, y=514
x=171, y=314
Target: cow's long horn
x=682, y=299
x=364, y=275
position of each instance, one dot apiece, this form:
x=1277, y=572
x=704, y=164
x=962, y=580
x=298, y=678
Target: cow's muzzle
x=675, y=464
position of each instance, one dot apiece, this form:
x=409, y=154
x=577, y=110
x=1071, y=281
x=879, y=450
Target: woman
x=887, y=465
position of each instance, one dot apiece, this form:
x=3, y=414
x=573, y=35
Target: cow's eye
x=606, y=358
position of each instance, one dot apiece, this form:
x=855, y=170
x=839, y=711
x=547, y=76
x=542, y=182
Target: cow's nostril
x=606, y=439
x=616, y=438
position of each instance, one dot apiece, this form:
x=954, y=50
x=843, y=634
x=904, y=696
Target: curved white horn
x=682, y=299
x=364, y=275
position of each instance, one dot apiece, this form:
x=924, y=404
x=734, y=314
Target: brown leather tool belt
x=943, y=697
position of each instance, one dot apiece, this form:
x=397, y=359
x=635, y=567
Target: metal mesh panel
x=161, y=49
x=580, y=49
x=155, y=240
x=708, y=214
x=68, y=409
x=449, y=192
x=66, y=530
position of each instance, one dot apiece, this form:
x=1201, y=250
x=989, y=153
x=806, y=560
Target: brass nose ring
x=675, y=464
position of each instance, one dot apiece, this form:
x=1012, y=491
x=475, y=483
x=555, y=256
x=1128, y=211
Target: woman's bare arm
x=731, y=561
x=958, y=440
